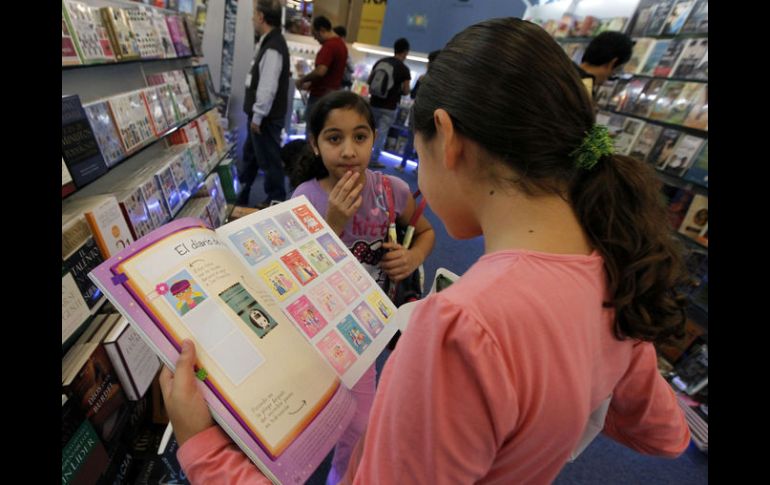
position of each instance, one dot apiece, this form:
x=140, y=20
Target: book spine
x=122, y=370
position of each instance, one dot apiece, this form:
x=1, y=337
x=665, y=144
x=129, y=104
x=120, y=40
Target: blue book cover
x=80, y=150
x=699, y=172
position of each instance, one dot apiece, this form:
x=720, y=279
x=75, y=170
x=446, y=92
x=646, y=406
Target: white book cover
x=134, y=361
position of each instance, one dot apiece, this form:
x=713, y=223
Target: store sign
x=372, y=18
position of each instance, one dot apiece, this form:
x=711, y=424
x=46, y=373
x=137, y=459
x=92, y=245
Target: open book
x=284, y=318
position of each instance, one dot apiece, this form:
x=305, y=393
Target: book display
x=120, y=171
x=657, y=111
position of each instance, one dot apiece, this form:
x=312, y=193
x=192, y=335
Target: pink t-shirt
x=494, y=380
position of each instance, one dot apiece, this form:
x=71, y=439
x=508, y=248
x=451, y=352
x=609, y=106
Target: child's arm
x=398, y=263
x=344, y=201
x=206, y=453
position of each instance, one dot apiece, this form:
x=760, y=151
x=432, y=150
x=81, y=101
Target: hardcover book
x=697, y=218
x=80, y=149
x=683, y=103
x=665, y=100
x=647, y=98
x=658, y=19
x=698, y=21
x=699, y=171
x=626, y=138
x=147, y=39
x=107, y=137
x=664, y=147
x=667, y=63
x=123, y=38
x=634, y=90
x=154, y=103
x=657, y=52
x=82, y=25
x=195, y=40
x=645, y=141
x=132, y=119
x=158, y=22
x=683, y=155
x=178, y=36
x=276, y=365
x=691, y=60
x=69, y=54
x=642, y=49
x=135, y=363
x=677, y=16
x=643, y=16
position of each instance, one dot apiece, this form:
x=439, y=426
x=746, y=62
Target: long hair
x=531, y=114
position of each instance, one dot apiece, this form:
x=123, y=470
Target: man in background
x=388, y=81
x=266, y=102
x=603, y=58
x=329, y=64
x=347, y=77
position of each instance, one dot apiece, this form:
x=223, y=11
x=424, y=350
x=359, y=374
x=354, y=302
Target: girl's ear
x=449, y=140
x=313, y=145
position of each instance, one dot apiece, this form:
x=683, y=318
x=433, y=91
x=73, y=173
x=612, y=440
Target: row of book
x=668, y=58
x=141, y=449
x=670, y=17
x=673, y=102
x=100, y=134
x=97, y=227
x=678, y=58
x=93, y=35
x=652, y=18
x=588, y=26
x=670, y=150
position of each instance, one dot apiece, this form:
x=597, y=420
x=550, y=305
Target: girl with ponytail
x=547, y=339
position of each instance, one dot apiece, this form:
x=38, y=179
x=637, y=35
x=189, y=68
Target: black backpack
x=382, y=79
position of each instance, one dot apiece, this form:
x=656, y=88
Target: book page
x=257, y=363
x=317, y=282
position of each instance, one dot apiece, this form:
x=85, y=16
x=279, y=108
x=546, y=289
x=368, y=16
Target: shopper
x=412, y=94
x=495, y=377
x=604, y=56
x=266, y=104
x=347, y=77
x=330, y=64
x=388, y=81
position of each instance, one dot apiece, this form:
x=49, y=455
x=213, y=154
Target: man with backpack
x=388, y=81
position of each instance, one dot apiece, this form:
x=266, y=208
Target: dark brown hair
x=310, y=166
x=532, y=113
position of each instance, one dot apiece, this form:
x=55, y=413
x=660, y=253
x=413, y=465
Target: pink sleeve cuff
x=202, y=443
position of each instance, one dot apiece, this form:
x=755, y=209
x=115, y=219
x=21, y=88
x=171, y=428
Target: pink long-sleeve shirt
x=494, y=381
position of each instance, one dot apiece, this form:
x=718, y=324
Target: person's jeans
x=383, y=120
x=267, y=148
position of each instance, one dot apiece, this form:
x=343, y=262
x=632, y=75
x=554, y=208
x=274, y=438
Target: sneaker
x=376, y=165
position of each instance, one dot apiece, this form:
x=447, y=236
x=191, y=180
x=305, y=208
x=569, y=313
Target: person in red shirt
x=330, y=63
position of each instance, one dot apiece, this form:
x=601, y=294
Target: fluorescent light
x=417, y=58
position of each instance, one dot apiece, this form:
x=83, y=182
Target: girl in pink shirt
x=496, y=377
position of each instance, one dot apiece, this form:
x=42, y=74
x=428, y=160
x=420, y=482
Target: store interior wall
x=445, y=18
x=596, y=8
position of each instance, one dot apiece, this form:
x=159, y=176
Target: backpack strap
x=392, y=235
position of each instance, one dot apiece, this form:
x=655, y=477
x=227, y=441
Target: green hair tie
x=596, y=144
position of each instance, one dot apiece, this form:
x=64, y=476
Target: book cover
x=699, y=171
x=667, y=63
x=664, y=147
x=167, y=452
x=690, y=61
x=634, y=90
x=105, y=220
x=74, y=310
x=698, y=21
x=166, y=93
x=618, y=94
x=91, y=381
x=677, y=16
x=79, y=263
x=147, y=39
x=107, y=137
x=604, y=93
x=81, y=24
x=665, y=100
x=135, y=363
x=178, y=36
x=84, y=458
x=208, y=142
x=697, y=218
x=195, y=92
x=80, y=150
x=67, y=185
x=684, y=155
x=657, y=52
x=643, y=16
x=158, y=22
x=646, y=100
x=153, y=200
x=132, y=119
x=228, y=174
x=69, y=54
x=154, y=105
x=681, y=106
x=626, y=138
x=135, y=212
x=180, y=177
x=658, y=19
x=195, y=41
x=205, y=85
x=678, y=202
x=121, y=467
x=645, y=141
x=642, y=49
x=701, y=70
x=281, y=395
x=122, y=37
x=692, y=372
x=216, y=130
x=171, y=195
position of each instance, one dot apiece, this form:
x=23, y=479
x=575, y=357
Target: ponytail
x=620, y=206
